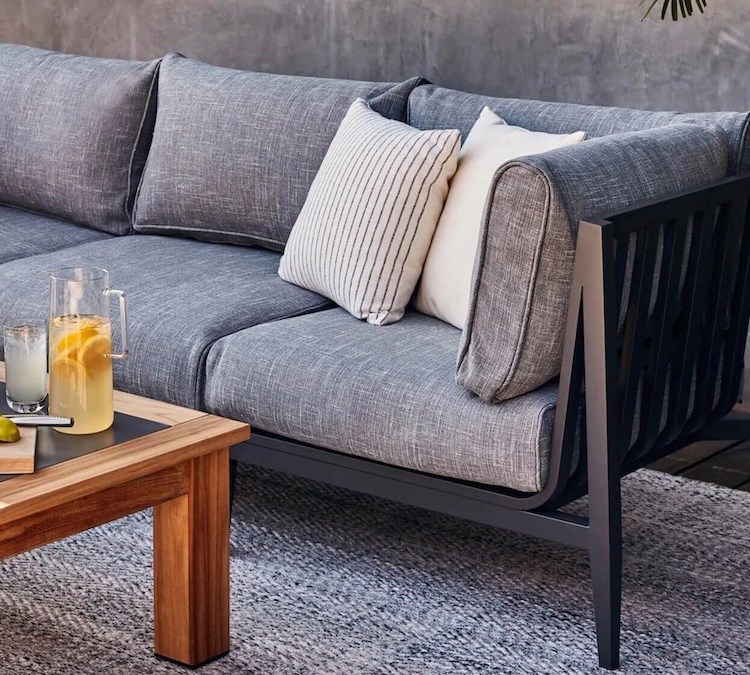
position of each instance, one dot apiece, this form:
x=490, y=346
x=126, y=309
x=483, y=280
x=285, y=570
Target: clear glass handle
x=123, y=323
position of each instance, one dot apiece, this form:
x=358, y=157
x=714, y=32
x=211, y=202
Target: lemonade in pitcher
x=80, y=348
x=81, y=372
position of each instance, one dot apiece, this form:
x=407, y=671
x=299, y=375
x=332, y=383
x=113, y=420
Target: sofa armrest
x=663, y=348
x=513, y=339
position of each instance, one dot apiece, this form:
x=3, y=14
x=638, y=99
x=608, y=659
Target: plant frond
x=677, y=8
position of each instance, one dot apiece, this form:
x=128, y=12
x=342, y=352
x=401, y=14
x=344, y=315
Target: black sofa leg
x=606, y=572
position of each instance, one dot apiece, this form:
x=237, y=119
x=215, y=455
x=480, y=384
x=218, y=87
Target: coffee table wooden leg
x=191, y=566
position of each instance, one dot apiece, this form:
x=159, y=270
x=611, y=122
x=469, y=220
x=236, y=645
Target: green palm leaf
x=678, y=7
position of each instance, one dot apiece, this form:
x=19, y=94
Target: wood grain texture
x=25, y=534
x=18, y=457
x=156, y=411
x=191, y=566
x=58, y=485
x=183, y=471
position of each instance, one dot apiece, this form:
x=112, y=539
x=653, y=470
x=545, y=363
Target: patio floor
x=725, y=463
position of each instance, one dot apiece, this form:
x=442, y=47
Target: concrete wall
x=590, y=51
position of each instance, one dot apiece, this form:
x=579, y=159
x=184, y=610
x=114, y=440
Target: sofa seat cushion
x=235, y=152
x=74, y=133
x=182, y=296
x=387, y=394
x=23, y=234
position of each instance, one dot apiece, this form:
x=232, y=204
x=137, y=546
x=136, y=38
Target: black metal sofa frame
x=653, y=357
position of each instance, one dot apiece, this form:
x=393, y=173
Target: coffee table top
x=153, y=436
x=53, y=447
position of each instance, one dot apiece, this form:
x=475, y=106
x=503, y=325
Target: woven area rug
x=327, y=581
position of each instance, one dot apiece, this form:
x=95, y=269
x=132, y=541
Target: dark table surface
x=53, y=447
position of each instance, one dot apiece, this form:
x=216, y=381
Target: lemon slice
x=68, y=353
x=9, y=432
x=93, y=353
x=67, y=369
x=73, y=339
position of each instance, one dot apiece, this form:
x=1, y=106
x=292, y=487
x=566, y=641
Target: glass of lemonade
x=25, y=346
x=80, y=348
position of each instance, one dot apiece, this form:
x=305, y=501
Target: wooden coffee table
x=182, y=470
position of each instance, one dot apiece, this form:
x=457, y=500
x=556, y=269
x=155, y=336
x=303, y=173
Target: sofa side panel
x=513, y=339
x=70, y=127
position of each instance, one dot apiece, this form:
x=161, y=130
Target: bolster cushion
x=513, y=339
x=74, y=133
x=235, y=152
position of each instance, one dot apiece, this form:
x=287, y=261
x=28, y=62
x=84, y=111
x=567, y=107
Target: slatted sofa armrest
x=512, y=342
x=658, y=315
x=658, y=318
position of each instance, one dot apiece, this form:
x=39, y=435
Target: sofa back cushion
x=513, y=337
x=432, y=107
x=235, y=152
x=74, y=133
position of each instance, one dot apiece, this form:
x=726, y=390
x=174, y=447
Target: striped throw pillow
x=363, y=234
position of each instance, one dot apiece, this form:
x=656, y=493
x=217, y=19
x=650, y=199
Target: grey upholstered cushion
x=23, y=234
x=513, y=338
x=74, y=131
x=235, y=152
x=183, y=295
x=432, y=107
x=383, y=393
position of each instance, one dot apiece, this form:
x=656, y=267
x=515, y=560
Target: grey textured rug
x=326, y=581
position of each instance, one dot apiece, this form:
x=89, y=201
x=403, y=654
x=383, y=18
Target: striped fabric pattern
x=363, y=234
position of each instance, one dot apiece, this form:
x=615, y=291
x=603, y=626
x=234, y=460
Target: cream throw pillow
x=446, y=280
x=365, y=228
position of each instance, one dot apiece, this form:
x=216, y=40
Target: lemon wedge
x=66, y=368
x=73, y=339
x=9, y=432
x=93, y=353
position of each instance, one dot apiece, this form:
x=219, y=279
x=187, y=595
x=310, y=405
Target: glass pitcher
x=80, y=348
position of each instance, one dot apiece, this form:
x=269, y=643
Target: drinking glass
x=25, y=343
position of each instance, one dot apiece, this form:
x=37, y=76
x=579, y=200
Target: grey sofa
x=184, y=180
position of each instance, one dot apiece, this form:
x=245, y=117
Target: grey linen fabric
x=432, y=107
x=73, y=134
x=513, y=339
x=183, y=295
x=235, y=152
x=385, y=393
x=23, y=234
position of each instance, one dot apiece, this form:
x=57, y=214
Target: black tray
x=53, y=447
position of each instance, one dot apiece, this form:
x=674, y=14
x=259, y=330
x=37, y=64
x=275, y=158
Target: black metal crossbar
x=655, y=336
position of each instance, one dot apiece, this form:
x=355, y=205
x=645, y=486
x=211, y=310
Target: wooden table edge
x=104, y=469
x=183, y=472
